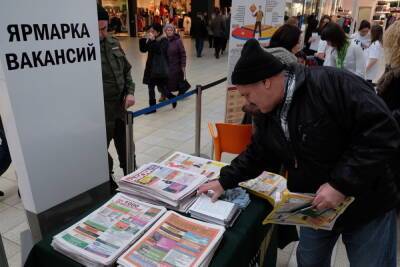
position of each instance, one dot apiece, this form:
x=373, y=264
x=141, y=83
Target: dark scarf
x=387, y=78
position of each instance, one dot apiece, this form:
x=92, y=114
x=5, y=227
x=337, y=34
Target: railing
x=130, y=146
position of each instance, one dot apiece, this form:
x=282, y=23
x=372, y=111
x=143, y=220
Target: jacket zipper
x=289, y=143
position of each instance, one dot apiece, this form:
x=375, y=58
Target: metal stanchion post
x=3, y=258
x=198, y=121
x=130, y=146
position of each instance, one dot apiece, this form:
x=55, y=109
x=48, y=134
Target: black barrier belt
x=207, y=86
x=173, y=100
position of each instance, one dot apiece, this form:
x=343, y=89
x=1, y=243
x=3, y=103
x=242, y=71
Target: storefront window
x=118, y=12
x=164, y=11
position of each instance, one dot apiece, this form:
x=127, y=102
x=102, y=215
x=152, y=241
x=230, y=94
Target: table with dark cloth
x=247, y=243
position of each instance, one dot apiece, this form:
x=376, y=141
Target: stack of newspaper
x=175, y=241
x=159, y=184
x=219, y=212
x=206, y=167
x=101, y=237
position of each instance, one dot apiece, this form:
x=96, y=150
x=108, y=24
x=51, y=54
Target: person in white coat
x=345, y=54
x=375, y=65
x=363, y=35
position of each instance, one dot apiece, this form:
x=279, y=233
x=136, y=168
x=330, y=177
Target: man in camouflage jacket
x=118, y=90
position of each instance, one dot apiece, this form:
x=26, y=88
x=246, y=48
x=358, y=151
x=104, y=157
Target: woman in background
x=288, y=37
x=155, y=44
x=346, y=54
x=176, y=59
x=375, y=57
x=363, y=36
x=322, y=45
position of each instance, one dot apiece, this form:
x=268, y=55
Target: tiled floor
x=155, y=136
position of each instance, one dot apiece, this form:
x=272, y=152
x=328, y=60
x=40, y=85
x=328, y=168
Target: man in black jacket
x=335, y=138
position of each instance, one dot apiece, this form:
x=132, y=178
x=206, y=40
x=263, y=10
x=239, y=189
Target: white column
x=354, y=15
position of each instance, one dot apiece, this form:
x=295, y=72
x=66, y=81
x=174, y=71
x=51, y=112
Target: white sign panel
x=51, y=98
x=250, y=19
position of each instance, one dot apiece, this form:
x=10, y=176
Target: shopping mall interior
x=155, y=131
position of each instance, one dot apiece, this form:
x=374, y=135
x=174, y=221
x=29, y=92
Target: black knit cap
x=255, y=64
x=101, y=13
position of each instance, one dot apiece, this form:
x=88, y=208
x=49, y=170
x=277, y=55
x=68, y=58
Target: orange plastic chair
x=229, y=138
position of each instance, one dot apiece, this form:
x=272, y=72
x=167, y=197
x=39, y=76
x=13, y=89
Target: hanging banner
x=250, y=19
x=51, y=98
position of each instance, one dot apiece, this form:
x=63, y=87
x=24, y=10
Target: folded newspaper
x=175, y=241
x=292, y=208
x=267, y=185
x=160, y=184
x=219, y=212
x=101, y=237
x=206, y=167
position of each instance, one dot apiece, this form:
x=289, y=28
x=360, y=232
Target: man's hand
x=215, y=186
x=327, y=197
x=129, y=101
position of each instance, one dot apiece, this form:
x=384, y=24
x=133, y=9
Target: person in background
x=5, y=158
x=336, y=138
x=293, y=21
x=199, y=33
x=312, y=24
x=322, y=45
x=345, y=54
x=363, y=35
x=187, y=24
x=155, y=44
x=388, y=85
x=210, y=32
x=375, y=57
x=287, y=36
x=218, y=29
x=227, y=21
x=118, y=88
x=176, y=59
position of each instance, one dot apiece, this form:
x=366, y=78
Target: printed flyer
x=257, y=19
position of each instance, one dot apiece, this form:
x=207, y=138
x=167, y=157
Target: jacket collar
x=300, y=74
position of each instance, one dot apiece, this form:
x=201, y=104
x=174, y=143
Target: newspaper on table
x=101, y=237
x=206, y=167
x=163, y=184
x=292, y=208
x=219, y=212
x=175, y=241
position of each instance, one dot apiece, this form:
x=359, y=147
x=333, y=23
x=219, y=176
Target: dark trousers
x=117, y=132
x=223, y=44
x=199, y=46
x=258, y=25
x=211, y=41
x=162, y=88
x=5, y=158
x=218, y=42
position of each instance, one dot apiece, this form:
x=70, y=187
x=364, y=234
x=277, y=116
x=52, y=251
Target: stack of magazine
x=292, y=208
x=159, y=184
x=101, y=237
x=220, y=212
x=175, y=241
